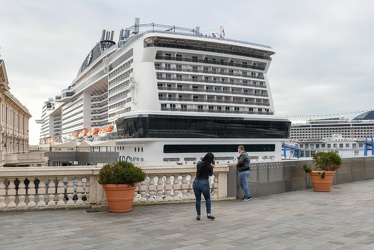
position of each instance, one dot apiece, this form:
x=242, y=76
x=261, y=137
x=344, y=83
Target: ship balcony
x=210, y=81
x=212, y=101
x=213, y=91
x=217, y=111
x=211, y=72
x=257, y=67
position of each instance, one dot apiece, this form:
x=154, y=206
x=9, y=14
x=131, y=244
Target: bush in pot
x=323, y=171
x=119, y=181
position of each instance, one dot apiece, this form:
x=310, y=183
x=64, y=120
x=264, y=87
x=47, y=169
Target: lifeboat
x=94, y=131
x=109, y=129
x=83, y=132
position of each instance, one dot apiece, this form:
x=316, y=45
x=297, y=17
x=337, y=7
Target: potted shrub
x=322, y=174
x=119, y=181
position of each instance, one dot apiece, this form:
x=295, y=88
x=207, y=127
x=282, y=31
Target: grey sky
x=323, y=66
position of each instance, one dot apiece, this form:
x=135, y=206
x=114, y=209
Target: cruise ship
x=168, y=95
x=349, y=138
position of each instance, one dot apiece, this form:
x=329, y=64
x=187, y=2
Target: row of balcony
x=195, y=60
x=214, y=91
x=212, y=101
x=210, y=81
x=211, y=72
x=217, y=111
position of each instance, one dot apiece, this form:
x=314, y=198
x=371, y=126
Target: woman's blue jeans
x=202, y=187
x=243, y=178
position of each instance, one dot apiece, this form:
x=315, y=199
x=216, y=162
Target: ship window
x=167, y=65
x=171, y=159
x=194, y=58
x=184, y=106
x=211, y=107
x=200, y=107
x=227, y=108
x=135, y=149
x=179, y=86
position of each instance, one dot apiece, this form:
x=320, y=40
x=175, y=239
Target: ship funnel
x=137, y=22
x=121, y=35
x=111, y=35
x=103, y=35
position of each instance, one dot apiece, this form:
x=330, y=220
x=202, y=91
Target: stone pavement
x=340, y=219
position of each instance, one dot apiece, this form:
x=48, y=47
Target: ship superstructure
x=170, y=94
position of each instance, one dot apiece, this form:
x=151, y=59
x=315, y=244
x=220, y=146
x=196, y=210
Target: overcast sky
x=323, y=66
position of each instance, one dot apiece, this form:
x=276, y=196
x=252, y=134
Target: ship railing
x=205, y=61
x=218, y=111
x=210, y=81
x=207, y=72
x=214, y=91
x=210, y=101
x=62, y=187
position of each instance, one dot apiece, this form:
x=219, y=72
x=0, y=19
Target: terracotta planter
x=319, y=184
x=119, y=197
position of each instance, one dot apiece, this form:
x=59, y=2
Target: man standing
x=244, y=171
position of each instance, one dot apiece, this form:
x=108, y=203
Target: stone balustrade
x=59, y=187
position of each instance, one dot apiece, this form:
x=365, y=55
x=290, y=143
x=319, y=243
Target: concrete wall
x=288, y=175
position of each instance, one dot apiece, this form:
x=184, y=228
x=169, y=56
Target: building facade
x=14, y=121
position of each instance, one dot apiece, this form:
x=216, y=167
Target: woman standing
x=204, y=169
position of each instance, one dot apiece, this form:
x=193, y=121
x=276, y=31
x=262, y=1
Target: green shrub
x=327, y=161
x=121, y=173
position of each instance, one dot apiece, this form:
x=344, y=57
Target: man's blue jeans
x=243, y=178
x=202, y=187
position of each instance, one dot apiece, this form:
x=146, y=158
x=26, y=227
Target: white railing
x=57, y=187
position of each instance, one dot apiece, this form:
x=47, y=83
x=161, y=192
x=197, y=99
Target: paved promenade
x=341, y=219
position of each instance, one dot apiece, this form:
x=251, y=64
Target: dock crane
x=294, y=148
x=368, y=145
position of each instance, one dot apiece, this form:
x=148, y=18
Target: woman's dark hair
x=208, y=158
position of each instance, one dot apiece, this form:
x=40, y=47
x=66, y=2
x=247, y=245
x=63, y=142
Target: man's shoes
x=247, y=199
x=198, y=217
x=210, y=217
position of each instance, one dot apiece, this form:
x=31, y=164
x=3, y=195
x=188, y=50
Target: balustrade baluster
x=147, y=183
x=31, y=193
x=84, y=191
x=172, y=178
x=180, y=193
x=79, y=192
x=11, y=193
x=59, y=192
x=155, y=191
x=21, y=193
